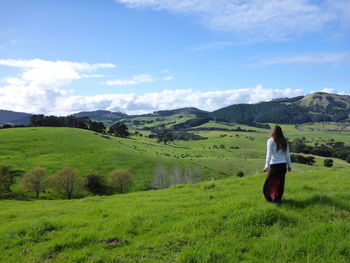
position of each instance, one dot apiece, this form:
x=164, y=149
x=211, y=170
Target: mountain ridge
x=317, y=106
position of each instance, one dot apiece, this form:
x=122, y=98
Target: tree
x=192, y=175
x=348, y=158
x=176, y=175
x=120, y=180
x=34, y=181
x=95, y=183
x=160, y=177
x=66, y=182
x=328, y=162
x=7, y=179
x=119, y=129
x=165, y=136
x=7, y=126
x=97, y=126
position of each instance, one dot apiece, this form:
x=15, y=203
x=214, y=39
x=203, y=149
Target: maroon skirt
x=274, y=183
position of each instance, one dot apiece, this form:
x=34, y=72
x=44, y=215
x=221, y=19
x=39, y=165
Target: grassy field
x=224, y=220
x=56, y=148
x=221, y=221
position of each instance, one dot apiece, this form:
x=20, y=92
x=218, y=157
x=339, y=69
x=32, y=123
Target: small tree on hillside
x=119, y=129
x=160, y=177
x=120, y=180
x=66, y=182
x=176, y=175
x=348, y=158
x=328, y=162
x=165, y=136
x=192, y=175
x=34, y=181
x=95, y=183
x=7, y=179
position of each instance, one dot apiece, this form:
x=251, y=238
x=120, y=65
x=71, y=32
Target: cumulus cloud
x=39, y=85
x=135, y=80
x=170, y=99
x=329, y=58
x=261, y=19
x=168, y=78
x=39, y=88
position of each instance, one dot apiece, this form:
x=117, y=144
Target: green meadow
x=222, y=219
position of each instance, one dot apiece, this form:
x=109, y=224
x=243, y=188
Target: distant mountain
x=181, y=111
x=315, y=107
x=108, y=117
x=14, y=118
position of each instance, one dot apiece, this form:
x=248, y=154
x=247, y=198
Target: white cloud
x=330, y=58
x=170, y=99
x=135, y=80
x=38, y=87
x=328, y=90
x=259, y=19
x=168, y=78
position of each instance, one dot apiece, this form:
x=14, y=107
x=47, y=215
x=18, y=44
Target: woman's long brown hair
x=279, y=139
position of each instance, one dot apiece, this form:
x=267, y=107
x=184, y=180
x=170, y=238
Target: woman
x=277, y=163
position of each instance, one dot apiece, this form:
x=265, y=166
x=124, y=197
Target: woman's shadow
x=317, y=200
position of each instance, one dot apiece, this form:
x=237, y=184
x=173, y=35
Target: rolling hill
x=222, y=155
x=314, y=107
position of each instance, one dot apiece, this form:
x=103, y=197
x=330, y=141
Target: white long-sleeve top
x=273, y=156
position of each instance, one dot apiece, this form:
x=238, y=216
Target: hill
x=222, y=155
x=13, y=117
x=107, y=117
x=314, y=107
x=221, y=221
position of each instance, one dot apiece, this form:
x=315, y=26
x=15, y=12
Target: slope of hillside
x=107, y=117
x=321, y=101
x=222, y=155
x=13, y=117
x=222, y=221
x=314, y=107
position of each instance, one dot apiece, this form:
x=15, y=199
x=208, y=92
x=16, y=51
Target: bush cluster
x=66, y=183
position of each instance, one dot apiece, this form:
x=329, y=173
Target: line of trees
x=330, y=149
x=67, y=121
x=118, y=129
x=66, y=183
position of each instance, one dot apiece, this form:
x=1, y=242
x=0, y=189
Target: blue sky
x=136, y=56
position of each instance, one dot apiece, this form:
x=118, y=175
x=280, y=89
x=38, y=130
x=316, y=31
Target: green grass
x=56, y=148
x=222, y=221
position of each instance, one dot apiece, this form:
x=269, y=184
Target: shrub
x=120, y=181
x=34, y=181
x=348, y=158
x=95, y=184
x=309, y=160
x=7, y=126
x=328, y=162
x=7, y=179
x=240, y=174
x=66, y=182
